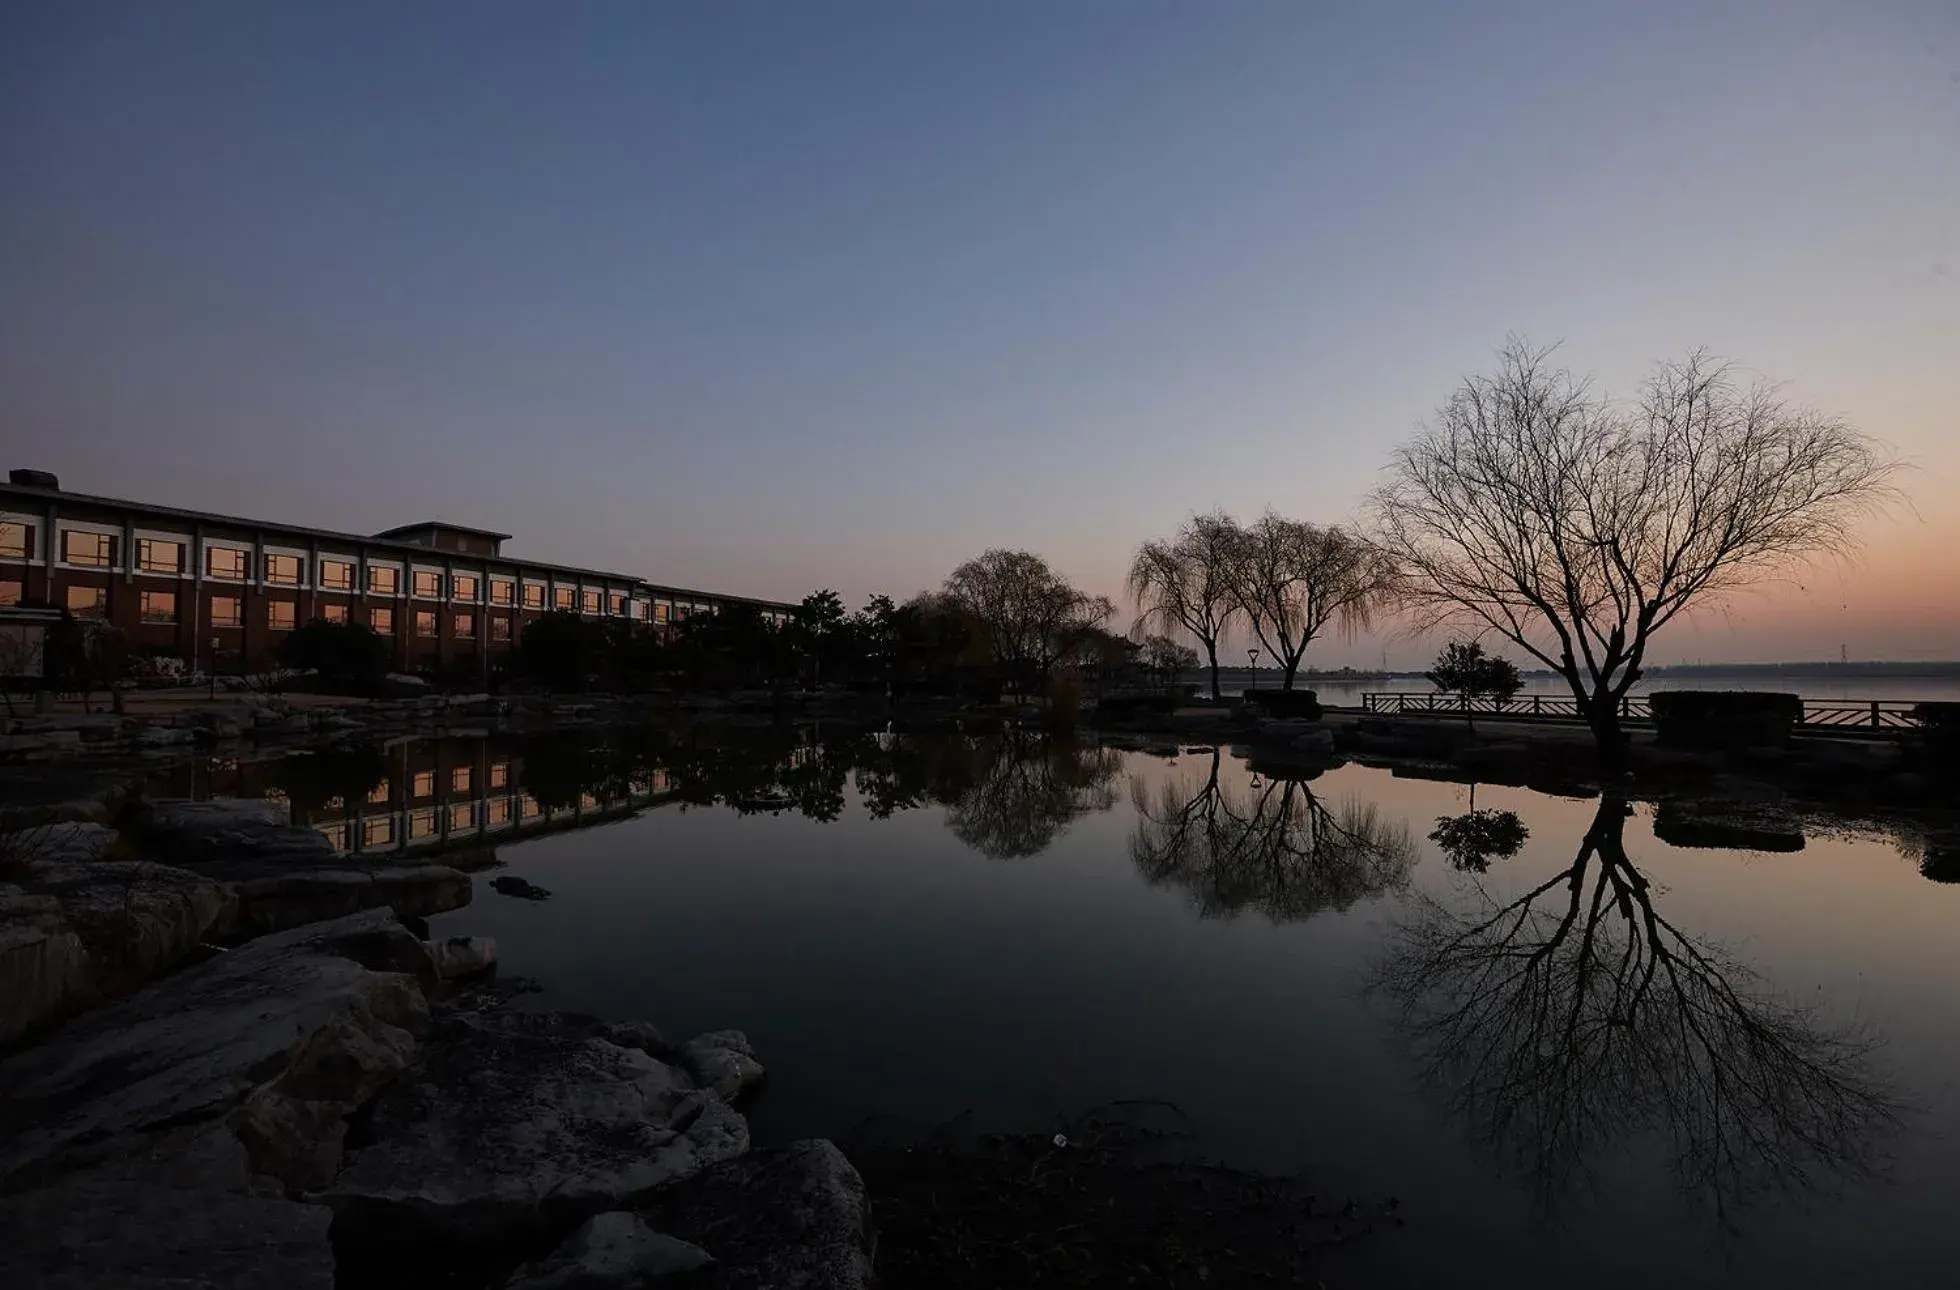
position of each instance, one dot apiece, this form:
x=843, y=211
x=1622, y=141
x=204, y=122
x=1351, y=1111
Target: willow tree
x=1026, y=614
x=1293, y=580
x=1186, y=583
x=1578, y=528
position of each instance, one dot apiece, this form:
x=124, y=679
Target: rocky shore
x=332, y=1100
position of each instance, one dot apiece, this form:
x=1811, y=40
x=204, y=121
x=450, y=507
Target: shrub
x=1941, y=724
x=1286, y=705
x=1137, y=705
x=344, y=654
x=1724, y=718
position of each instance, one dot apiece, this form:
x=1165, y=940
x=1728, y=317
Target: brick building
x=221, y=591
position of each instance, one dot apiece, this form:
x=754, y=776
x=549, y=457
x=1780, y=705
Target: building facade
x=221, y=592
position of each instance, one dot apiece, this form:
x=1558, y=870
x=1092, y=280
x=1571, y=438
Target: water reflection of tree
x=1271, y=845
x=1576, y=1016
x=1023, y=788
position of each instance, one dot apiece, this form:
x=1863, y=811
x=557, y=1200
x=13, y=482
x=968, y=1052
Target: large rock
x=135, y=1236
x=785, y=1218
x=465, y=956
x=275, y=901
x=723, y=1061
x=138, y=920
x=615, y=1251
x=513, y=1124
x=217, y=835
x=45, y=971
x=194, y=1046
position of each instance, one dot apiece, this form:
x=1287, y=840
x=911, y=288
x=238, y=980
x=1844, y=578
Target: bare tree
x=1026, y=788
x=1028, y=615
x=1291, y=580
x=1577, y=528
x=1187, y=583
x=1576, y=1017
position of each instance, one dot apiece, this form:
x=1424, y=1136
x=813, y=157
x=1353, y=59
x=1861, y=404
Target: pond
x=1571, y=1050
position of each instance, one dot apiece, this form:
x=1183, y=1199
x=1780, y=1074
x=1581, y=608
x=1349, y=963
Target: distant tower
x=1844, y=655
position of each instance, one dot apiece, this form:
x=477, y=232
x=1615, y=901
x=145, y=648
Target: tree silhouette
x=1576, y=1016
x=1272, y=846
x=1470, y=841
x=1025, y=788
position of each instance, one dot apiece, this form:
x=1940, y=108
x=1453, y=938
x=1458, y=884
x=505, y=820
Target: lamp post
x=1253, y=682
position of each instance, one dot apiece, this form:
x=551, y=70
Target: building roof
x=407, y=549
x=443, y=524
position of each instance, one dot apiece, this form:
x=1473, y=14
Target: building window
x=465, y=627
x=283, y=570
x=336, y=575
x=378, y=795
x=157, y=606
x=336, y=836
x=16, y=540
x=563, y=598
x=499, y=774
x=333, y=613
x=384, y=582
x=281, y=615
x=500, y=631
x=462, y=816
x=382, y=621
x=423, y=784
x=497, y=811
x=92, y=550
x=422, y=824
x=529, y=807
x=502, y=592
x=641, y=609
x=459, y=780
x=224, y=562
x=154, y=555
x=463, y=587
x=426, y=584
x=533, y=595
x=227, y=611
x=618, y=603
x=378, y=832
x=11, y=592
x=661, y=611
x=425, y=622
x=589, y=602
x=88, y=602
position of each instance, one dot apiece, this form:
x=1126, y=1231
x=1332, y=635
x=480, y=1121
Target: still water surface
x=1601, y=1060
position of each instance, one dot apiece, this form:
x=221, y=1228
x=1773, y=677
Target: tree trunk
x=1603, y=717
x=1292, y=669
x=1211, y=653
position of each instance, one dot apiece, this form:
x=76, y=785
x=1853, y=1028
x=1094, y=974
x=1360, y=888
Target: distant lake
x=1348, y=694
x=924, y=925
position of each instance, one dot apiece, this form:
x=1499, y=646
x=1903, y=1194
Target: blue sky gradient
x=768, y=297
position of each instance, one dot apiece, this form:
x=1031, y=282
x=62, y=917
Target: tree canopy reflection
x=1269, y=845
x=1576, y=1016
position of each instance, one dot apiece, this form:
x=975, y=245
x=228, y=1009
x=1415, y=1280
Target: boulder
x=721, y=1060
x=463, y=956
x=225, y=837
x=165, y=736
x=85, y=1235
x=637, y=1034
x=785, y=1218
x=45, y=970
x=274, y=901
x=137, y=920
x=193, y=1047
x=511, y=1125
x=615, y=1251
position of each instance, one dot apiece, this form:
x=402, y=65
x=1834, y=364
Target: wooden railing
x=1839, y=714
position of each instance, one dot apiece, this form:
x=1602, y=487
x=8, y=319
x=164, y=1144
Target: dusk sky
x=762, y=298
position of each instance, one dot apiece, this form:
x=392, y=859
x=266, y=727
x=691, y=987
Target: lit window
x=463, y=587
x=224, y=562
x=94, y=550
x=334, y=613
x=662, y=611
x=588, y=802
x=427, y=584
x=533, y=595
x=281, y=615
x=153, y=555
x=502, y=592
x=336, y=836
x=564, y=597
x=459, y=780
x=425, y=622
x=465, y=627
x=88, y=602
x=640, y=610
x=462, y=816
x=499, y=774
x=531, y=809
x=227, y=611
x=157, y=606
x=11, y=592
x=618, y=605
x=497, y=811
x=378, y=832
x=382, y=621
x=500, y=631
x=422, y=823
x=589, y=602
x=423, y=785
x=384, y=582
x=336, y=575
x=16, y=540
x=378, y=795
x=282, y=570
